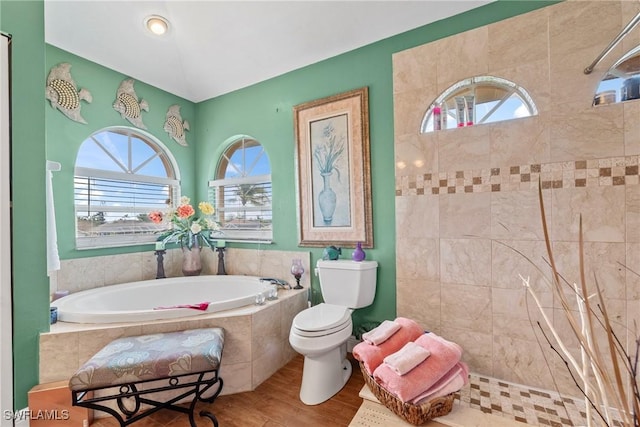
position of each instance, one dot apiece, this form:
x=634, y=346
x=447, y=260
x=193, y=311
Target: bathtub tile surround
x=255, y=346
x=87, y=273
x=467, y=199
x=256, y=338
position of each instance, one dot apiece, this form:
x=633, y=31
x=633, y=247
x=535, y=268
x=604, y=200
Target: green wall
x=263, y=111
x=64, y=137
x=25, y=22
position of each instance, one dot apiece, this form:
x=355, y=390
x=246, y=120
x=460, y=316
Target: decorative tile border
x=575, y=174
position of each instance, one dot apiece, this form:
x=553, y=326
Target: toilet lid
x=321, y=318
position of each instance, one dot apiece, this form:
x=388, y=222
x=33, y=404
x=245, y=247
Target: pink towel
x=453, y=381
x=200, y=306
x=373, y=355
x=381, y=333
x=407, y=358
x=444, y=355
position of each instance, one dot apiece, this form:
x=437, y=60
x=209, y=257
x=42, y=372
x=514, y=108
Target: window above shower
x=622, y=81
x=478, y=100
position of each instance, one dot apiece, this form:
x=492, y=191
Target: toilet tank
x=347, y=283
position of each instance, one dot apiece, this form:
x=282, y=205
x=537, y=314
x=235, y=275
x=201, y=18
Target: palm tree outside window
x=241, y=191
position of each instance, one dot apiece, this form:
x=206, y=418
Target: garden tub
x=159, y=299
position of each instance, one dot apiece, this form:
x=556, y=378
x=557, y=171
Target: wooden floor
x=274, y=403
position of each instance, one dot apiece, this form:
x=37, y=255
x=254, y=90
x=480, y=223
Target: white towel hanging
x=53, y=258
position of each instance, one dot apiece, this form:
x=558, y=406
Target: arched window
x=121, y=174
x=241, y=191
x=478, y=100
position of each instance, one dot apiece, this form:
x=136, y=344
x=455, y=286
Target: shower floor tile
x=524, y=404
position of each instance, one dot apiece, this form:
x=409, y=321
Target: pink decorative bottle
x=358, y=254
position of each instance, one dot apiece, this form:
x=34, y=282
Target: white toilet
x=320, y=333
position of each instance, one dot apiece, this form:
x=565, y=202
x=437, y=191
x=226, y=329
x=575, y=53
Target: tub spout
x=278, y=282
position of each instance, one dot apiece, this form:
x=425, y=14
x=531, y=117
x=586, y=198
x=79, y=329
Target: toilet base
x=324, y=375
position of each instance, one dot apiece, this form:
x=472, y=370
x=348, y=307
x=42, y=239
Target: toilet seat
x=322, y=319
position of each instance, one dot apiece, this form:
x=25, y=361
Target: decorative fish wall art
x=63, y=93
x=175, y=126
x=128, y=105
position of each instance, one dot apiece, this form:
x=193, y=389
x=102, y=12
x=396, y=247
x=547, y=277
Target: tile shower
x=467, y=198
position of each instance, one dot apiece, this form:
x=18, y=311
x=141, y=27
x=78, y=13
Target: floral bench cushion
x=151, y=357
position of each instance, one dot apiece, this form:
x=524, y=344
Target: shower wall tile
x=631, y=128
x=464, y=149
x=518, y=40
x=602, y=210
x=516, y=214
x=574, y=45
x=474, y=314
x=632, y=200
x=409, y=108
x=477, y=347
x=420, y=300
x=520, y=142
x=511, y=259
x=632, y=272
x=465, y=215
x=579, y=131
x=421, y=217
x=465, y=261
x=520, y=361
x=471, y=57
x=416, y=153
x=418, y=259
x=414, y=69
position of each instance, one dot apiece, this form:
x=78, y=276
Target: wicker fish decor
x=63, y=94
x=175, y=126
x=128, y=104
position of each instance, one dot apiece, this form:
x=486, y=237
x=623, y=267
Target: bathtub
x=154, y=299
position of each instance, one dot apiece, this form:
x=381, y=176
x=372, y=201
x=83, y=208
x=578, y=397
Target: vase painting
x=330, y=169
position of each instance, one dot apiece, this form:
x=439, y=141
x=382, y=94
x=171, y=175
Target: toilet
x=320, y=333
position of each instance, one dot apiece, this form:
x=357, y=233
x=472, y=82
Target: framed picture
x=334, y=173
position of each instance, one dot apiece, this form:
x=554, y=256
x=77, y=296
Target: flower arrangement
x=329, y=153
x=186, y=228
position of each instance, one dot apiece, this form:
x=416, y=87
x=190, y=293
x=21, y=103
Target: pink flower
x=185, y=211
x=155, y=217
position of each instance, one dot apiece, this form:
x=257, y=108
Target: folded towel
x=444, y=355
x=381, y=333
x=372, y=356
x=407, y=358
x=200, y=306
x=453, y=381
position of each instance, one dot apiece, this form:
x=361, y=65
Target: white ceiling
x=215, y=47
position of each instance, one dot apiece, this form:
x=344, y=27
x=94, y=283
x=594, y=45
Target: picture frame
x=334, y=171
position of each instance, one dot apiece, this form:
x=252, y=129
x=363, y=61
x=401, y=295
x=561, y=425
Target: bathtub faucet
x=278, y=282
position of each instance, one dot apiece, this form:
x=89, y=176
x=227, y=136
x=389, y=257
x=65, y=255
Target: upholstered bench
x=127, y=370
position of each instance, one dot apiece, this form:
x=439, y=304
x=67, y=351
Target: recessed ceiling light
x=156, y=24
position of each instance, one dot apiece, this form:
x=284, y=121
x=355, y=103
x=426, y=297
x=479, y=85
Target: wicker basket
x=414, y=414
